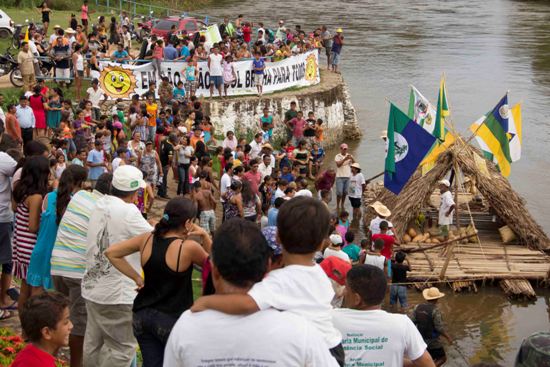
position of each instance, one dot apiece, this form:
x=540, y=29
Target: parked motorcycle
x=9, y=65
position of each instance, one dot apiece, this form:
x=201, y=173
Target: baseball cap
x=445, y=182
x=336, y=239
x=343, y=146
x=128, y=178
x=336, y=269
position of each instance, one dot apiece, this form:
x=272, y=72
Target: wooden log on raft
x=418, y=249
x=518, y=288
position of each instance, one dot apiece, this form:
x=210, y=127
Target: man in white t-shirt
x=343, y=162
x=265, y=167
x=109, y=295
x=357, y=185
x=371, y=336
x=446, y=208
x=216, y=71
x=240, y=257
x=256, y=146
x=95, y=93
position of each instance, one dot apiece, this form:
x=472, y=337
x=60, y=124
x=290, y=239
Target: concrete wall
x=329, y=101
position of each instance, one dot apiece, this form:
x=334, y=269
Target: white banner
x=124, y=80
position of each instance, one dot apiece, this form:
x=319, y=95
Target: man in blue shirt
x=170, y=52
x=258, y=65
x=26, y=119
x=179, y=92
x=337, y=43
x=184, y=53
x=96, y=162
x=274, y=211
x=120, y=55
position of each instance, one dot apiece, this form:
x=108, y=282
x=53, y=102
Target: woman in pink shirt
x=158, y=56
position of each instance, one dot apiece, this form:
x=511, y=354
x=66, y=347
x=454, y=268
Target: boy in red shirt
x=45, y=322
x=389, y=241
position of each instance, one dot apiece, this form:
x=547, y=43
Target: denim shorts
x=216, y=80
x=398, y=293
x=342, y=186
x=335, y=58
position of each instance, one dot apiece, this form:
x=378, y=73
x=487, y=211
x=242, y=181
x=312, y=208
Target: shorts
x=342, y=186
x=6, y=234
x=444, y=230
x=355, y=202
x=207, y=220
x=258, y=79
x=71, y=287
x=334, y=58
x=216, y=81
x=190, y=86
x=85, y=22
x=398, y=293
x=63, y=74
x=327, y=51
x=437, y=353
x=80, y=73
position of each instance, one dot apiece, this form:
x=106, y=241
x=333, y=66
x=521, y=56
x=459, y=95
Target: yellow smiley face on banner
x=117, y=82
x=311, y=68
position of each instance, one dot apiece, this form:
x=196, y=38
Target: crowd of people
x=285, y=279
x=72, y=53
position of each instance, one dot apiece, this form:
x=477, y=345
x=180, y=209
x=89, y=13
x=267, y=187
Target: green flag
x=441, y=112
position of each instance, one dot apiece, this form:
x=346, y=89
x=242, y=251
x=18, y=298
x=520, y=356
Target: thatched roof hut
x=496, y=190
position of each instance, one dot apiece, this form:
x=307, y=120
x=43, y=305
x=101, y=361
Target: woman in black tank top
x=165, y=291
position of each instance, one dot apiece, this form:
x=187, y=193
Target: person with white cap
x=109, y=295
x=446, y=208
x=343, y=162
x=428, y=320
x=357, y=185
x=335, y=248
x=336, y=50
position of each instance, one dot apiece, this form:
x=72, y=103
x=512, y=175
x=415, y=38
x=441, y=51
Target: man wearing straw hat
x=428, y=320
x=382, y=213
x=446, y=208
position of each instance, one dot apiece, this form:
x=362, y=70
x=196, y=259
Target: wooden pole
x=439, y=244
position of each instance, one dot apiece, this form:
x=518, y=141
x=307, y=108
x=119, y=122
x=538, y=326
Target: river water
x=484, y=48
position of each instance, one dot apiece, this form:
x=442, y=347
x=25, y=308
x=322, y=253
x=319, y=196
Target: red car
x=188, y=26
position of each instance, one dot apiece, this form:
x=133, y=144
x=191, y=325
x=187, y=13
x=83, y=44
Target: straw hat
x=57, y=26
x=70, y=31
x=380, y=209
x=267, y=146
x=356, y=166
x=432, y=293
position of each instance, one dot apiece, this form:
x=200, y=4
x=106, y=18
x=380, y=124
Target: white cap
x=128, y=178
x=445, y=182
x=336, y=239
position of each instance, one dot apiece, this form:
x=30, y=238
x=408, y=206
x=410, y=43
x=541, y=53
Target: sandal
x=11, y=307
x=5, y=314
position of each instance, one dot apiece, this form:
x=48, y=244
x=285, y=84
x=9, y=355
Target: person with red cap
x=336, y=270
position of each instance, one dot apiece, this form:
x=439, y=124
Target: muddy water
x=484, y=48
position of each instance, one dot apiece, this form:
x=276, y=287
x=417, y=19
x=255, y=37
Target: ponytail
x=176, y=213
x=72, y=177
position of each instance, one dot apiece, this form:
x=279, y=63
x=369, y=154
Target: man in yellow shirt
x=25, y=59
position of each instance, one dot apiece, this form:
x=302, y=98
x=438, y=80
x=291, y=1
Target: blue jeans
x=151, y=131
x=183, y=174
x=152, y=329
x=398, y=292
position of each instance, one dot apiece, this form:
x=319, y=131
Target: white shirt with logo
x=267, y=338
x=377, y=338
x=112, y=221
x=356, y=186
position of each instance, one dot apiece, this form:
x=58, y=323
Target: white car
x=6, y=25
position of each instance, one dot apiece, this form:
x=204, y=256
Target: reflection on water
x=484, y=48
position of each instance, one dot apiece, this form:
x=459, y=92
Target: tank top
x=80, y=63
x=164, y=290
x=231, y=210
x=23, y=241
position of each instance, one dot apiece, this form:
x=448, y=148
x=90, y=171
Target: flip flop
x=11, y=307
x=5, y=314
